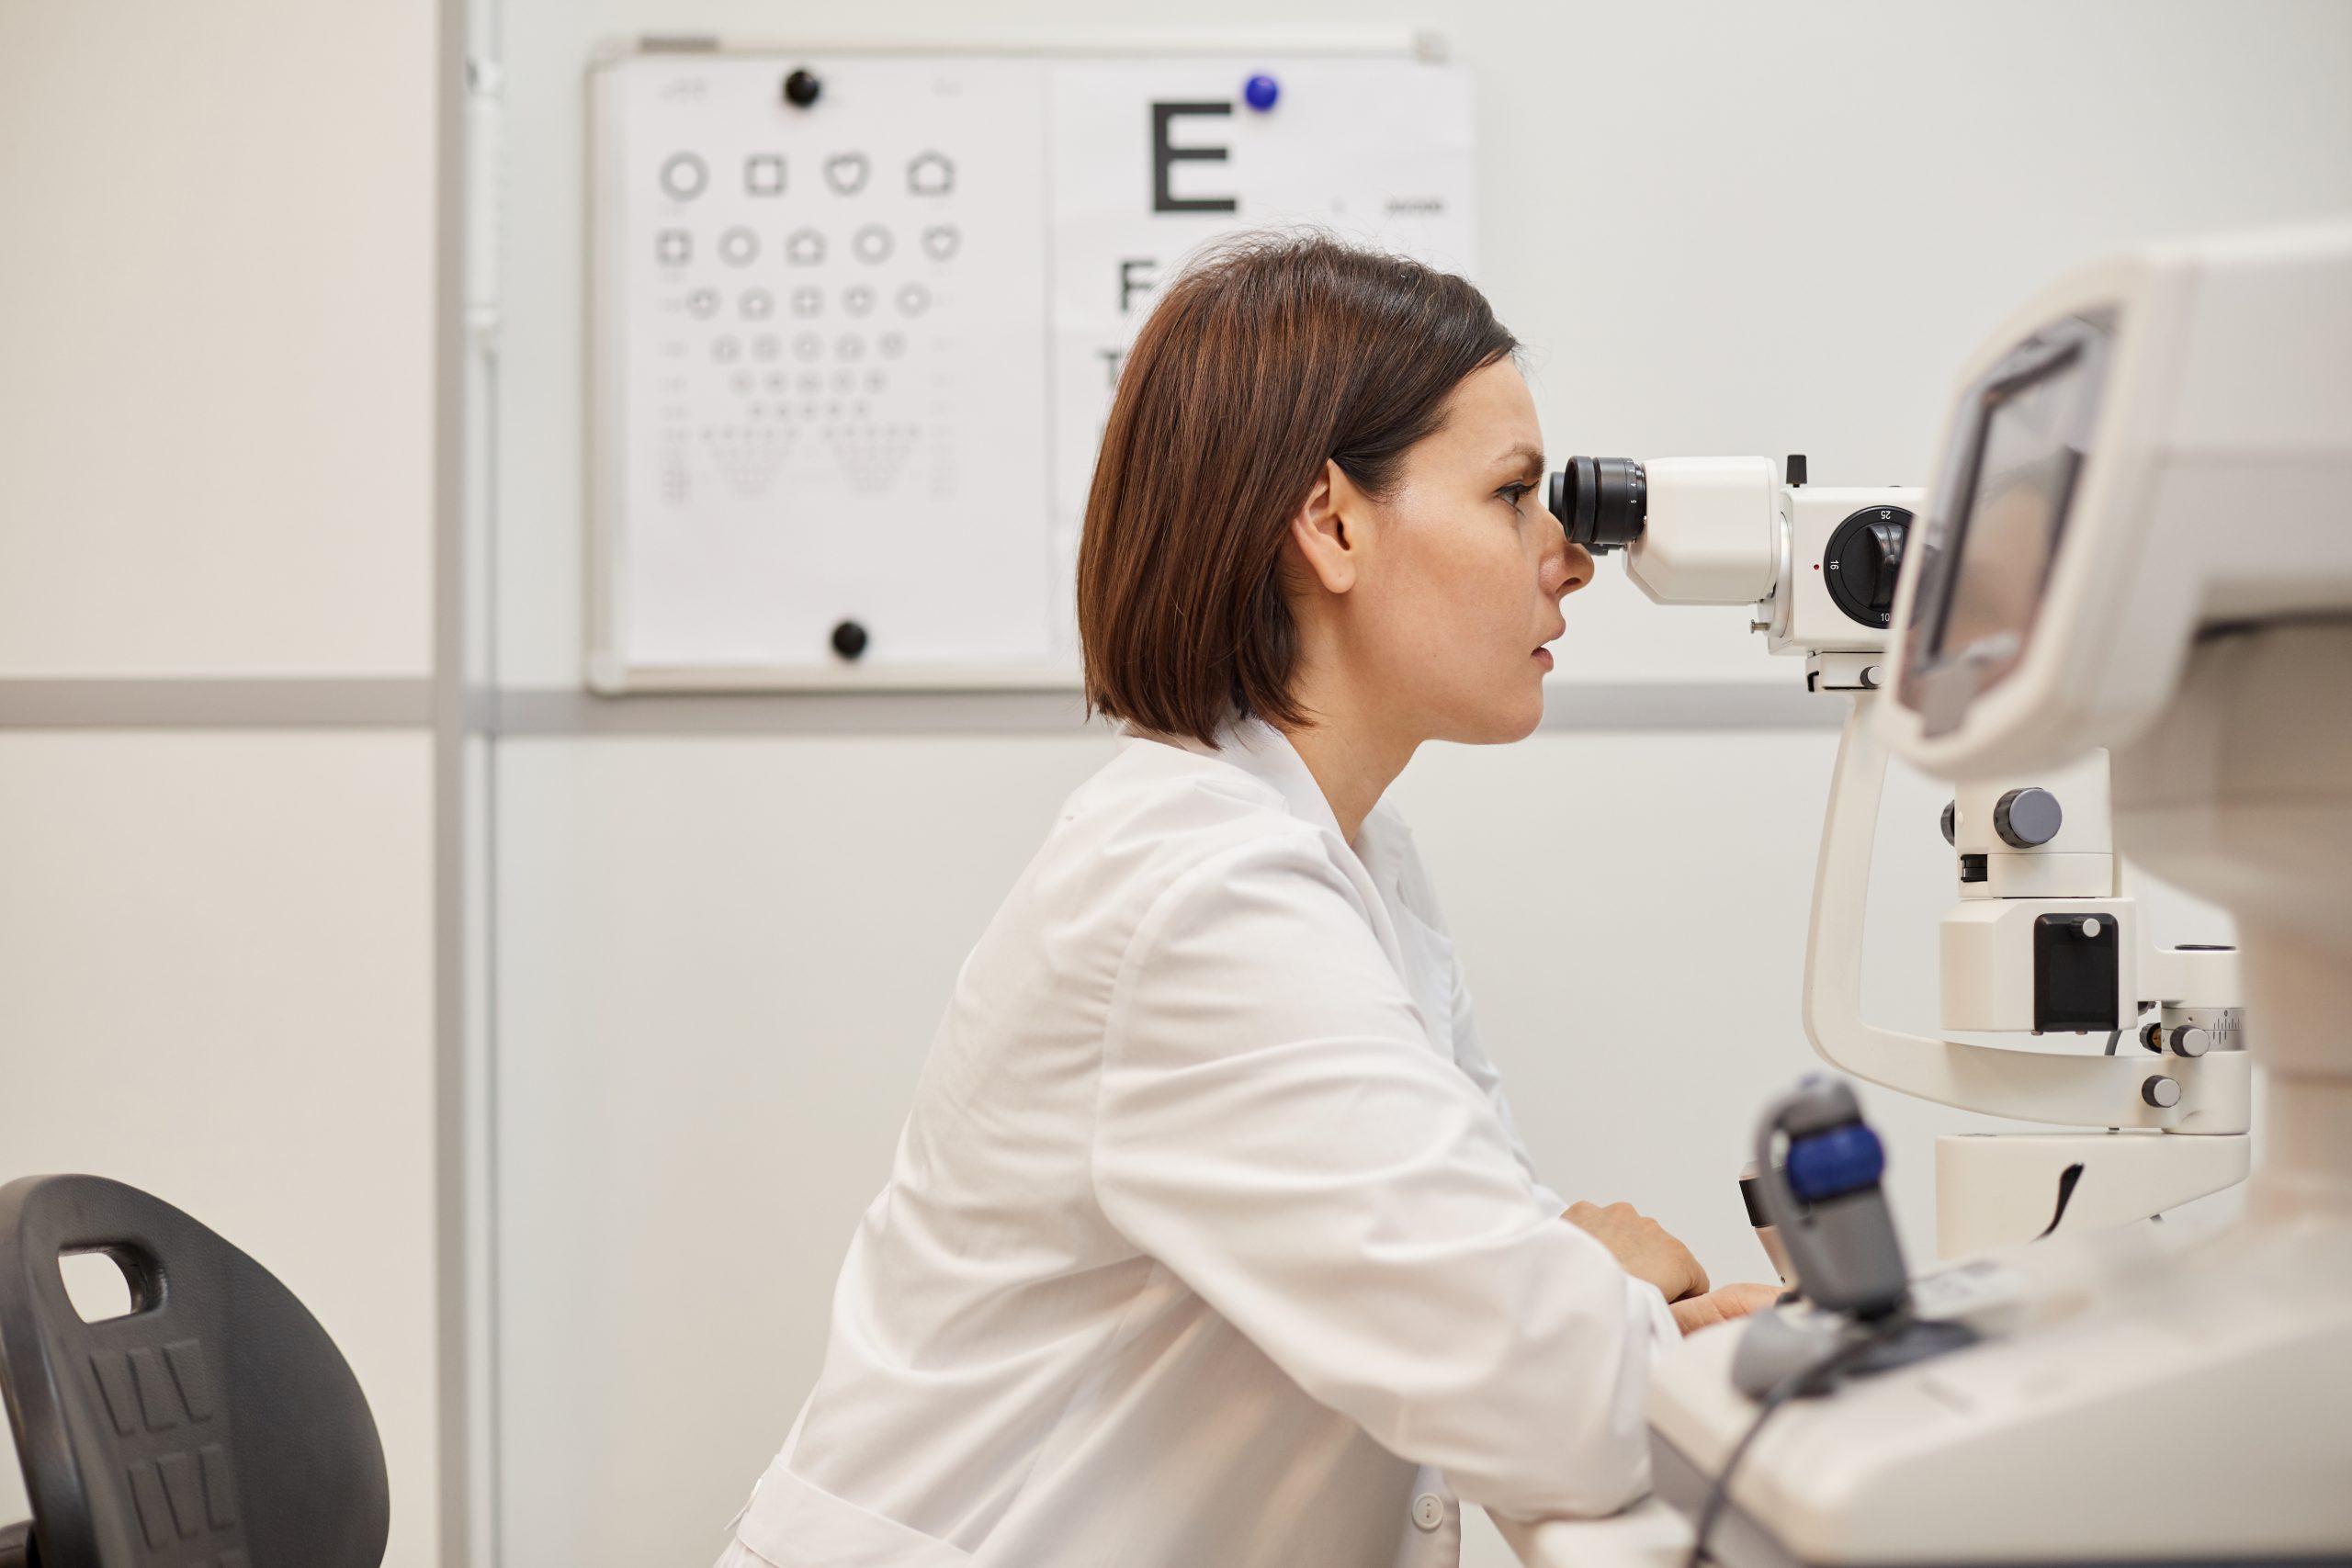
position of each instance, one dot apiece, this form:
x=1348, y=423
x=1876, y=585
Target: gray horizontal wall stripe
x=1648, y=706
x=270, y=703
x=1693, y=704
x=557, y=712
x=364, y=703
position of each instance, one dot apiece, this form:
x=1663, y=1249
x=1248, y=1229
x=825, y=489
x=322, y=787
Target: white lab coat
x=1209, y=1240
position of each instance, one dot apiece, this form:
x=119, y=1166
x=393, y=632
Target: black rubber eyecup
x=1602, y=503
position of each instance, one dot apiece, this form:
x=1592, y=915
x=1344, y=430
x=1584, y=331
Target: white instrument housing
x=2153, y=446
x=1712, y=535
x=1726, y=531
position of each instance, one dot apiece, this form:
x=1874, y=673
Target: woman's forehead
x=1490, y=417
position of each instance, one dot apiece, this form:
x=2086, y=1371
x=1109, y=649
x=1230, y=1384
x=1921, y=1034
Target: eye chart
x=855, y=320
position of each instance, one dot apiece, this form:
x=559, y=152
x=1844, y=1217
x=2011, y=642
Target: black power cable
x=1814, y=1378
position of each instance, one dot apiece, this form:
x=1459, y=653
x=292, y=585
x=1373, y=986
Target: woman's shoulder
x=1191, y=796
x=1159, y=812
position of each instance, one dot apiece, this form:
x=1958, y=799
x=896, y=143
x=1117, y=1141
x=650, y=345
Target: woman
x=1209, y=1240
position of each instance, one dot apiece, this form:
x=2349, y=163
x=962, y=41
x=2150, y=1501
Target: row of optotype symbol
x=758, y=304
x=808, y=345
x=739, y=246
x=808, y=383
x=685, y=175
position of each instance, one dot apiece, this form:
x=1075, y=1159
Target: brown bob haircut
x=1264, y=359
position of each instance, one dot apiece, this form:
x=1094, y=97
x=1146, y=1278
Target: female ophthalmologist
x=1209, y=1243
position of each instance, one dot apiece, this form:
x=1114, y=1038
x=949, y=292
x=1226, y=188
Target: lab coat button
x=1429, y=1510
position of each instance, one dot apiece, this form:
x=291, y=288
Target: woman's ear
x=1327, y=530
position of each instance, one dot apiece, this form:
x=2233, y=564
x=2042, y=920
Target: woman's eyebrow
x=1528, y=457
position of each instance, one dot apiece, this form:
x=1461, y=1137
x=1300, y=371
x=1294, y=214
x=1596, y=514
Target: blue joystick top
x=1261, y=92
x=1833, y=1163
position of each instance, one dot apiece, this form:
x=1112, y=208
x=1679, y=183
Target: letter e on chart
x=1166, y=156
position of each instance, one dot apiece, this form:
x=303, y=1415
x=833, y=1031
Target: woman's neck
x=1353, y=758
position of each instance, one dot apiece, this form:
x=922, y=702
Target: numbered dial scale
x=1862, y=560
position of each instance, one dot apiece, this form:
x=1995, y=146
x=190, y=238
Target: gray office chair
x=214, y=1425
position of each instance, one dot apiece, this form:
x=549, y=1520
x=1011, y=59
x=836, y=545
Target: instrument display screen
x=2025, y=474
x=1994, y=531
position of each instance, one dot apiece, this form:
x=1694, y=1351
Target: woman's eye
x=1515, y=492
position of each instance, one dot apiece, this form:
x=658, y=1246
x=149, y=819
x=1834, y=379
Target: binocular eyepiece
x=1601, y=502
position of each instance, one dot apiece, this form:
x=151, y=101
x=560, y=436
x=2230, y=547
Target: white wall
x=215, y=402
x=1720, y=228
x=217, y=967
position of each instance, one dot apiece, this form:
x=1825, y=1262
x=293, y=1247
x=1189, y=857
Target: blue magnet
x=1261, y=92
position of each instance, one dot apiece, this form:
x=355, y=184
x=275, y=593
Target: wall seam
x=453, y=1171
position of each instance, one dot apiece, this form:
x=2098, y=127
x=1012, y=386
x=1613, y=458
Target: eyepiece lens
x=1602, y=503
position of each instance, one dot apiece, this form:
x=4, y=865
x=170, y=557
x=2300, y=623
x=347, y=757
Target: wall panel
x=215, y=985
x=215, y=427
x=721, y=962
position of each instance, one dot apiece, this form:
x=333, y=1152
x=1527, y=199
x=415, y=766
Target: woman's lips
x=1543, y=657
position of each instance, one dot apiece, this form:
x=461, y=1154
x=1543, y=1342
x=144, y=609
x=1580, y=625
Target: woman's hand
x=1641, y=1248
x=1722, y=1305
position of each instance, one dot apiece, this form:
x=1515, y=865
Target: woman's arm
x=1643, y=1249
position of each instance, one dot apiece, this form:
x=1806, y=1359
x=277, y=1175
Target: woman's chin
x=1497, y=724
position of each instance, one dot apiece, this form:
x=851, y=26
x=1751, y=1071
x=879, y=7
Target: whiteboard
x=850, y=358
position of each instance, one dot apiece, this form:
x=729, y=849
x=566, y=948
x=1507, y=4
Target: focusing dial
x=1864, y=557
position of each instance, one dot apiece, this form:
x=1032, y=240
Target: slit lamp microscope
x=2120, y=621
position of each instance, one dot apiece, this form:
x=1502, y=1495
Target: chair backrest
x=215, y=1425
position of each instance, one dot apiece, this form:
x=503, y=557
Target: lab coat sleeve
x=1274, y=1127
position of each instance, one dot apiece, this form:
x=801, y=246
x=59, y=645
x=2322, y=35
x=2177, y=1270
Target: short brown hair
x=1260, y=361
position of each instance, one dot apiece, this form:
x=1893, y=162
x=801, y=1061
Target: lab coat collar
x=1383, y=854
x=1266, y=753
x=1383, y=844
x=1258, y=747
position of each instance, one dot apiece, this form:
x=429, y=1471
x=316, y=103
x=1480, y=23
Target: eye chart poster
x=1153, y=160
x=855, y=321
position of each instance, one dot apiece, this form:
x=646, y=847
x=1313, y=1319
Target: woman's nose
x=1570, y=570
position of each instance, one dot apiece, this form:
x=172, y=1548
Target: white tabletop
x=1647, y=1535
